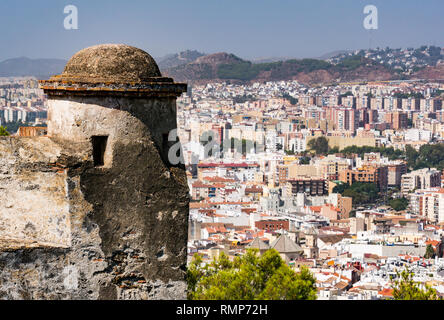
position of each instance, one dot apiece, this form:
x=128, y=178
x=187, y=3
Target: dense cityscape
x=344, y=179
x=222, y=159
x=333, y=178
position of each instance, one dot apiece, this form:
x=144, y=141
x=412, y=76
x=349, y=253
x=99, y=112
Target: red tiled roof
x=228, y=165
x=386, y=292
x=315, y=208
x=432, y=242
x=199, y=184
x=197, y=205
x=218, y=179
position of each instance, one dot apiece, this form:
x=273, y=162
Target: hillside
x=203, y=69
x=431, y=72
x=174, y=60
x=406, y=61
x=40, y=68
x=228, y=67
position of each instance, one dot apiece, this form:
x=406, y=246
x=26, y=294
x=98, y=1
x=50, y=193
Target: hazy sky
x=247, y=28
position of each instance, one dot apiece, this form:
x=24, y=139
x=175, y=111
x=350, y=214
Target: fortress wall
x=33, y=203
x=107, y=210
x=108, y=232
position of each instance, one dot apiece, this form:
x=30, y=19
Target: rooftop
x=111, y=63
x=112, y=69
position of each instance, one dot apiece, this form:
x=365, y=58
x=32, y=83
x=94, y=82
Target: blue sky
x=247, y=28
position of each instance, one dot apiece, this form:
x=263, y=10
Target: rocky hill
x=228, y=67
x=174, y=60
x=431, y=72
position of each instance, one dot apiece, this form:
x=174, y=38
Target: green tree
x=389, y=152
x=430, y=252
x=293, y=101
x=341, y=187
x=399, y=204
x=411, y=156
x=3, y=132
x=404, y=288
x=319, y=145
x=431, y=156
x=333, y=150
x=249, y=277
x=361, y=192
x=428, y=156
x=304, y=160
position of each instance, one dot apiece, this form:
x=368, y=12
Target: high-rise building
x=344, y=119
x=397, y=120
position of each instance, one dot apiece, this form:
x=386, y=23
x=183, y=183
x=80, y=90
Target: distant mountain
x=40, y=68
x=203, y=68
x=219, y=58
x=270, y=59
x=332, y=54
x=174, y=60
x=228, y=67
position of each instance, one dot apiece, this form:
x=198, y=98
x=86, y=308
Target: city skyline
x=250, y=30
x=212, y=178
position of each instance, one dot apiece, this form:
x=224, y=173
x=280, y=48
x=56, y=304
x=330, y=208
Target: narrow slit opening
x=99, y=148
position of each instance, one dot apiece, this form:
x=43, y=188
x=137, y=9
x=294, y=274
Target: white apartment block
x=428, y=203
x=418, y=135
x=420, y=179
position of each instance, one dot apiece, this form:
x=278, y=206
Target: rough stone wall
x=33, y=201
x=127, y=219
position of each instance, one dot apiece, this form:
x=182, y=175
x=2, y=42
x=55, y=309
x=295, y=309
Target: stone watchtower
x=95, y=210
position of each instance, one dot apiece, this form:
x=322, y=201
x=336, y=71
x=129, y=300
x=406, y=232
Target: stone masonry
x=95, y=210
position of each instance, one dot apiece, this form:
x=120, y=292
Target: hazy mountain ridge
x=177, y=59
x=195, y=67
x=228, y=67
x=333, y=54
x=40, y=68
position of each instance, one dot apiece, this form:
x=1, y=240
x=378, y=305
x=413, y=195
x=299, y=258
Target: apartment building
x=420, y=179
x=366, y=173
x=307, y=185
x=397, y=120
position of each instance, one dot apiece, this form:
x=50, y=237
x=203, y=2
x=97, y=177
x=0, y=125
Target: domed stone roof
x=114, y=63
x=112, y=69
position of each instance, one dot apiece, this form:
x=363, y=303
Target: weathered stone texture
x=111, y=63
x=120, y=223
x=33, y=194
x=72, y=229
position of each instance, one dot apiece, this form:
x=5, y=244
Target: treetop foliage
x=399, y=204
x=3, y=132
x=249, y=277
x=428, y=156
x=404, y=288
x=389, y=152
x=361, y=192
x=319, y=145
